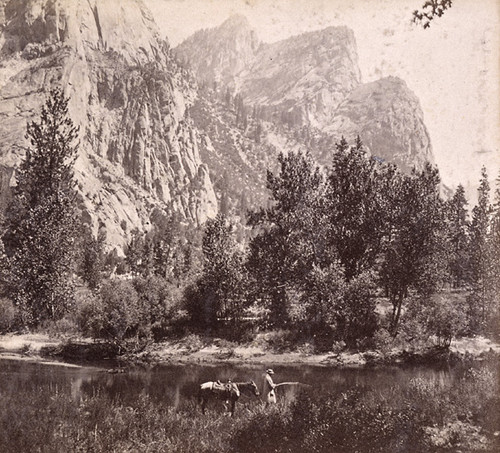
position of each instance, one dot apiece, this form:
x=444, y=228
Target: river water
x=174, y=384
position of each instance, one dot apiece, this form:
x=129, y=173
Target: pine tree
x=479, y=255
x=458, y=228
x=493, y=269
x=41, y=227
x=135, y=251
x=92, y=266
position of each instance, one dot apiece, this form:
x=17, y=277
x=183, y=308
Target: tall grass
x=423, y=417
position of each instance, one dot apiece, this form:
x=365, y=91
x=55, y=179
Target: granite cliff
x=302, y=78
x=139, y=151
x=157, y=137
x=312, y=81
x=388, y=117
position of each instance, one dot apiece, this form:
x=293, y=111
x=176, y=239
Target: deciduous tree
x=289, y=240
x=219, y=291
x=414, y=246
x=356, y=207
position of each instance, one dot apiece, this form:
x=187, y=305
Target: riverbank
x=418, y=409
x=193, y=350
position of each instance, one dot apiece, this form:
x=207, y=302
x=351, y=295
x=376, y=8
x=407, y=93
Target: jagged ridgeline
x=191, y=130
x=138, y=149
x=301, y=92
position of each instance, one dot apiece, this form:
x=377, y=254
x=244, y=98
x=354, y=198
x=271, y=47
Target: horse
x=227, y=392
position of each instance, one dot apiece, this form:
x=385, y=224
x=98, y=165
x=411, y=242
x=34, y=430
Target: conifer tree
x=41, y=224
x=479, y=255
x=92, y=266
x=458, y=228
x=493, y=269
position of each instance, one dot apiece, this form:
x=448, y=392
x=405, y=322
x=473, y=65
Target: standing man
x=269, y=387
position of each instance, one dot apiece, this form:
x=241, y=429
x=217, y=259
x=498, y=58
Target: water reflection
x=175, y=384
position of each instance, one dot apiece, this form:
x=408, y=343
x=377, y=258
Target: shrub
x=114, y=313
x=358, y=319
x=159, y=303
x=193, y=343
x=281, y=340
x=383, y=340
x=265, y=430
x=8, y=315
x=66, y=326
x=331, y=423
x=442, y=316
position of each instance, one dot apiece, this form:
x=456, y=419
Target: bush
x=67, y=326
x=159, y=304
x=331, y=423
x=281, y=340
x=441, y=316
x=193, y=343
x=113, y=314
x=383, y=340
x=359, y=321
x=8, y=315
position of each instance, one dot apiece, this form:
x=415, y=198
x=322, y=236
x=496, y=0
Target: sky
x=453, y=67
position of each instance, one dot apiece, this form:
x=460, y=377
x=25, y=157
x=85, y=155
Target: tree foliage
x=93, y=258
x=289, y=240
x=41, y=223
x=219, y=293
x=458, y=237
x=114, y=313
x=357, y=208
x=479, y=256
x=413, y=253
x=429, y=11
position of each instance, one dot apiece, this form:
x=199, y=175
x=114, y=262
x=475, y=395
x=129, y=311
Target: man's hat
x=269, y=371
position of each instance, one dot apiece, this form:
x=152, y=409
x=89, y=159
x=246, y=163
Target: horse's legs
x=203, y=404
x=233, y=404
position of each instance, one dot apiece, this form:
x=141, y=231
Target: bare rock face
x=138, y=147
x=311, y=83
x=302, y=79
x=388, y=118
x=218, y=55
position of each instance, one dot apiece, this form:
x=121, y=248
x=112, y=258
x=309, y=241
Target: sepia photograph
x=245, y=226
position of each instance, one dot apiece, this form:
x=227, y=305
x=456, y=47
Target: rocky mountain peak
x=305, y=92
x=218, y=54
x=236, y=23
x=388, y=117
x=303, y=77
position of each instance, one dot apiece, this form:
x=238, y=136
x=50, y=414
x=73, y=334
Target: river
x=173, y=384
